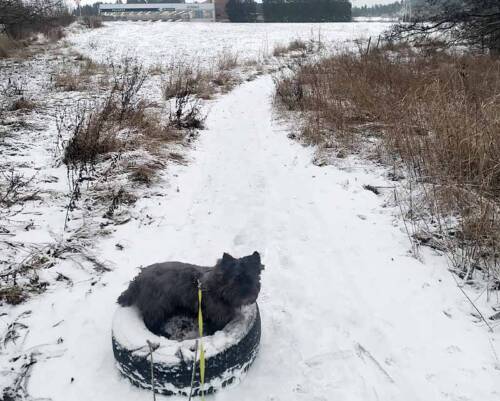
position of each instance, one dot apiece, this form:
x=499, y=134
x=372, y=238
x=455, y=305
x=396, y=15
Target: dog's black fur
x=164, y=290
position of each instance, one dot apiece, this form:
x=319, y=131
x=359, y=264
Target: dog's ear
x=255, y=257
x=227, y=259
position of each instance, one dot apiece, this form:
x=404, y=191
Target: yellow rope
x=202, y=351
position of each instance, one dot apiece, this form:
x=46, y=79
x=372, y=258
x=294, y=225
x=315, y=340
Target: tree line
x=289, y=10
x=378, y=10
x=20, y=19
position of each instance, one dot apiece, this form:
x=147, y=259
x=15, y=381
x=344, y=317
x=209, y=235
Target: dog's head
x=239, y=280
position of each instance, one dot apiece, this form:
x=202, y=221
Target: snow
x=131, y=333
x=347, y=312
x=157, y=43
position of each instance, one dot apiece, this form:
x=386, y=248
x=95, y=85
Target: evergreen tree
x=306, y=10
x=241, y=10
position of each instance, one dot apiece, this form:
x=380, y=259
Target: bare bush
x=184, y=79
x=23, y=104
x=128, y=78
x=296, y=45
x=15, y=188
x=187, y=79
x=8, y=45
x=69, y=81
x=143, y=174
x=103, y=130
x=187, y=113
x=92, y=22
x=436, y=112
x=280, y=50
x=227, y=60
x=21, y=18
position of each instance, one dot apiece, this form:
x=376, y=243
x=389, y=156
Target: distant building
x=159, y=12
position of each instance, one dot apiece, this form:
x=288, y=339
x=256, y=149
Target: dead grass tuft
x=23, y=104
x=13, y=295
x=143, y=174
x=187, y=79
x=6, y=46
x=296, y=45
x=69, y=81
x=92, y=22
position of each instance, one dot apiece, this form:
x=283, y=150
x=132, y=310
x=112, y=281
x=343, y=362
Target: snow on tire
x=228, y=353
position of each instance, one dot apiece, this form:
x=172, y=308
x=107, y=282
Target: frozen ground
x=155, y=42
x=347, y=313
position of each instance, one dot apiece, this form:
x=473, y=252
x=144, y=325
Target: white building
x=159, y=12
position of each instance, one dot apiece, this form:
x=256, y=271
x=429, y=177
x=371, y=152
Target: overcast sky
x=354, y=2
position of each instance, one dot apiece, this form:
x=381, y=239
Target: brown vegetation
x=297, y=45
x=186, y=79
x=143, y=174
x=23, y=104
x=436, y=112
x=121, y=122
x=67, y=80
x=22, y=19
x=7, y=45
x=92, y=22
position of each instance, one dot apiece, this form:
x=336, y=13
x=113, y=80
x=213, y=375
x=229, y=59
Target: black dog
x=164, y=290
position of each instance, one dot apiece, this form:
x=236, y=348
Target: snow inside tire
x=228, y=353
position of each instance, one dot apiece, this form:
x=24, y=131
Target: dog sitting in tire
x=164, y=290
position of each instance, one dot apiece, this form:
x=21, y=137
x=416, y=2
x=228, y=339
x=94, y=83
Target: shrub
x=143, y=174
x=23, y=104
x=68, y=81
x=22, y=19
x=436, y=112
x=92, y=21
x=7, y=45
x=187, y=113
x=183, y=80
x=296, y=45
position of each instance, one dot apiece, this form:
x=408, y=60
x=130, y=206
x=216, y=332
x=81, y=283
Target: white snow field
x=347, y=313
x=157, y=43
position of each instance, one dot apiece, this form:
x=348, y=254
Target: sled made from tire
x=228, y=353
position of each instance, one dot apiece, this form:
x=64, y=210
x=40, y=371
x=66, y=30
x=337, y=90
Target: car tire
x=228, y=354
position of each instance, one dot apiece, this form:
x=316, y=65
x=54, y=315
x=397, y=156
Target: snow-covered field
x=200, y=42
x=347, y=312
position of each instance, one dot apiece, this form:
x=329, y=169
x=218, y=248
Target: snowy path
x=347, y=315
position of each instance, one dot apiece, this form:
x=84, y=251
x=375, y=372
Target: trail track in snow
x=346, y=313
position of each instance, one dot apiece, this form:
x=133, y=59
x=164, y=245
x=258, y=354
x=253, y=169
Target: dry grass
x=12, y=295
x=122, y=121
x=80, y=78
x=183, y=79
x=280, y=50
x=297, y=45
x=92, y=22
x=69, y=81
x=187, y=79
x=54, y=34
x=226, y=61
x=9, y=47
x=436, y=112
x=6, y=46
x=23, y=104
x=143, y=174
